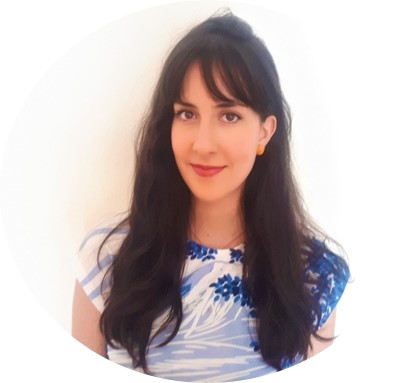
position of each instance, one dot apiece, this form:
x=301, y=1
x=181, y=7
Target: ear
x=268, y=128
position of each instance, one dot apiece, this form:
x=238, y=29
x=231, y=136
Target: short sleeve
x=327, y=275
x=91, y=269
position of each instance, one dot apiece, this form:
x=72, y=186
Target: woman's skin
x=85, y=322
x=209, y=132
x=215, y=148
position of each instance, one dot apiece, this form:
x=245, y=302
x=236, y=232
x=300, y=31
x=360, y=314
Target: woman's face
x=215, y=142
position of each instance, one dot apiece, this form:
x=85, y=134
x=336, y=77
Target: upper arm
x=327, y=275
x=94, y=260
x=85, y=322
x=327, y=331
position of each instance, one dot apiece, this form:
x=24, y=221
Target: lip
x=207, y=171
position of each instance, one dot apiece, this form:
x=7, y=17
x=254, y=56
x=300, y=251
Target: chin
x=206, y=198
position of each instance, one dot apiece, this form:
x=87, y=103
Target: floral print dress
x=216, y=341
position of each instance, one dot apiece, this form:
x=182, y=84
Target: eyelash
x=179, y=115
x=238, y=117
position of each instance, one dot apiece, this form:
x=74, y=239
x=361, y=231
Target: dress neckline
x=240, y=247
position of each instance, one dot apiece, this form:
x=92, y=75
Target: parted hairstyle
x=146, y=276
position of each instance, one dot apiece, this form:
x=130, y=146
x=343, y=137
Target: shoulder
x=96, y=236
x=326, y=276
x=105, y=239
x=96, y=253
x=322, y=262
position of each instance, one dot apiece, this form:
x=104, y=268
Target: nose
x=204, y=139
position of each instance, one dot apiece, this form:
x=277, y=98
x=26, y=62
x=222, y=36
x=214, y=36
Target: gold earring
x=260, y=150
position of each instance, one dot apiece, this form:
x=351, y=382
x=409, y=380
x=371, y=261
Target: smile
x=207, y=171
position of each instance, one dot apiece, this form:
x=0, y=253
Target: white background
x=346, y=69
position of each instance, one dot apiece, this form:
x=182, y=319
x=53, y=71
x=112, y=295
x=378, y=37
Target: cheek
x=243, y=151
x=245, y=147
x=176, y=142
x=246, y=139
x=243, y=156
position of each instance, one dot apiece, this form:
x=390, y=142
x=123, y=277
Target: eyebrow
x=224, y=104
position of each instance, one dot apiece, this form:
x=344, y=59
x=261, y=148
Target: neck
x=217, y=225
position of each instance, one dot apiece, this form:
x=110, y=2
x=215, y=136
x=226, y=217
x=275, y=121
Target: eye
x=184, y=115
x=230, y=117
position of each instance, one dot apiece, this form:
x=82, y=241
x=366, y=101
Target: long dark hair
x=146, y=275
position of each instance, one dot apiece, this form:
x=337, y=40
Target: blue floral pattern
x=326, y=277
x=216, y=340
x=228, y=286
x=196, y=251
x=236, y=256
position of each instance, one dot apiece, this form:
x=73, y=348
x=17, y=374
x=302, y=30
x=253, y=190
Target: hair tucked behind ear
x=147, y=272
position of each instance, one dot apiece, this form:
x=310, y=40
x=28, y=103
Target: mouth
x=207, y=171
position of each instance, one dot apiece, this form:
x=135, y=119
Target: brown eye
x=185, y=115
x=188, y=115
x=230, y=117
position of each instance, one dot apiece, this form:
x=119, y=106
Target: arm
x=326, y=331
x=85, y=322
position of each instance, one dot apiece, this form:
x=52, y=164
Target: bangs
x=224, y=66
x=235, y=66
x=227, y=73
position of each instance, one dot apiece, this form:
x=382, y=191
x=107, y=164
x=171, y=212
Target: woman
x=216, y=272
